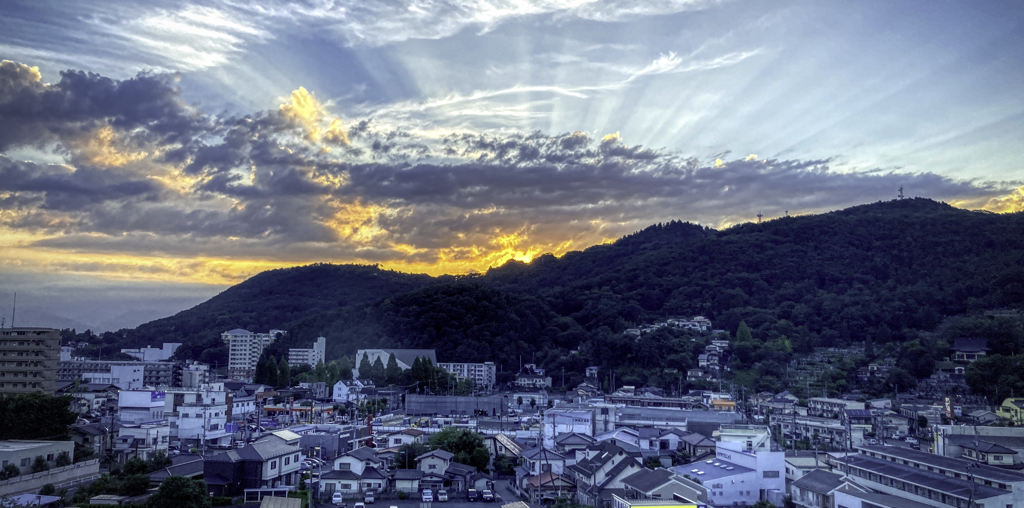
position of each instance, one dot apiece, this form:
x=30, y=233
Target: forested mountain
x=880, y=273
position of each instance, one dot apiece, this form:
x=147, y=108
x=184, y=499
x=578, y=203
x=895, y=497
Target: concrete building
x=309, y=356
x=125, y=377
x=584, y=421
x=534, y=381
x=482, y=374
x=404, y=357
x=830, y=408
x=195, y=375
x=155, y=374
x=197, y=417
x=746, y=468
x=28, y=360
x=153, y=354
x=140, y=406
x=141, y=440
x=22, y=453
x=244, y=350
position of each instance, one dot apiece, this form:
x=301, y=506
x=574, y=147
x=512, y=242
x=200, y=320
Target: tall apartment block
x=310, y=356
x=482, y=374
x=28, y=360
x=244, y=350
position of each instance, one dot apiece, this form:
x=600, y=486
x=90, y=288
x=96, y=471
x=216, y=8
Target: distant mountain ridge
x=872, y=272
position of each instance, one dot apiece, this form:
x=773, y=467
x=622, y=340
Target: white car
x=336, y=498
x=911, y=440
x=428, y=496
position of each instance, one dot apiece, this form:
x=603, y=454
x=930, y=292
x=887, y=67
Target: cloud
x=153, y=179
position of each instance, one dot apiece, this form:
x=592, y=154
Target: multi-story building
x=482, y=374
x=195, y=375
x=140, y=406
x=244, y=350
x=141, y=440
x=309, y=356
x=198, y=416
x=154, y=373
x=153, y=354
x=830, y=408
x=533, y=381
x=28, y=360
x=125, y=377
x=747, y=468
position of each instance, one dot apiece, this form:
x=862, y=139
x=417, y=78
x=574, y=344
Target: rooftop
x=949, y=463
x=953, y=486
x=712, y=469
x=819, y=481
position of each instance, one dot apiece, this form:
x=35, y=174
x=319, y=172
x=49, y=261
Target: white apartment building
x=587, y=421
x=198, y=416
x=195, y=375
x=125, y=377
x=309, y=356
x=244, y=350
x=153, y=354
x=745, y=468
x=483, y=374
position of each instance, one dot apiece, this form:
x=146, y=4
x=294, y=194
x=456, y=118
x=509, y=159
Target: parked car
x=487, y=496
x=872, y=441
x=336, y=498
x=428, y=496
x=368, y=499
x=911, y=440
x=442, y=496
x=472, y=495
x=359, y=505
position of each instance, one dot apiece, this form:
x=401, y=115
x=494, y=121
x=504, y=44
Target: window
x=24, y=462
x=49, y=456
x=771, y=474
x=273, y=464
x=432, y=466
x=287, y=460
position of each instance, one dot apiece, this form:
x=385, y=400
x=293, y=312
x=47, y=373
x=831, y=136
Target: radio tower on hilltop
x=759, y=217
x=900, y=195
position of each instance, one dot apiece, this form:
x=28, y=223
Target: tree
x=63, y=459
x=377, y=372
x=272, y=372
x=284, y=374
x=519, y=401
x=9, y=471
x=407, y=453
x=180, y=492
x=159, y=461
x=922, y=422
x=463, y=443
x=743, y=333
x=366, y=366
x=392, y=372
x=763, y=504
x=134, y=466
x=36, y=416
x=47, y=490
x=39, y=464
x=261, y=370
x=652, y=462
x=533, y=403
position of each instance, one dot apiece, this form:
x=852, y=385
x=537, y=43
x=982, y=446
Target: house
x=187, y=465
x=547, y=487
x=141, y=440
x=433, y=464
x=407, y=480
x=697, y=445
x=459, y=476
x=261, y=465
x=723, y=405
x=95, y=437
x=982, y=417
x=357, y=471
x=817, y=489
x=569, y=442
x=801, y=462
x=696, y=375
x=1013, y=410
x=969, y=350
x=988, y=453
x=662, y=484
x=404, y=437
x=347, y=391
x=534, y=381
x=707, y=360
x=500, y=445
x=599, y=471
x=23, y=452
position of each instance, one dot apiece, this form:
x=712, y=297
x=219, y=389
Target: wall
x=57, y=476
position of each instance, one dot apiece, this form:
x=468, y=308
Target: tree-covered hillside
x=878, y=274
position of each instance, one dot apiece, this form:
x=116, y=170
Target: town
x=453, y=434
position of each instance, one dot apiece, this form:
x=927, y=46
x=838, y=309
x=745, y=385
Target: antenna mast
x=14, y=308
x=900, y=195
x=759, y=215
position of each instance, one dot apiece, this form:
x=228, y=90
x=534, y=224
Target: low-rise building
x=154, y=354
x=533, y=381
x=1012, y=409
x=138, y=406
x=22, y=453
x=830, y=408
x=141, y=440
x=155, y=374
x=662, y=484
x=261, y=465
x=747, y=467
x=817, y=489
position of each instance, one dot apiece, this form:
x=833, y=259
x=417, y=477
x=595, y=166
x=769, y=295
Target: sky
x=153, y=154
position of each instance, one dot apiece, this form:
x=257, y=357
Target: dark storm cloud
x=147, y=106
x=60, y=188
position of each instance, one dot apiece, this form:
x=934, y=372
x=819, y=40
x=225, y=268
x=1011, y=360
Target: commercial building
x=154, y=354
x=194, y=375
x=309, y=356
x=125, y=377
x=153, y=374
x=28, y=360
x=198, y=417
x=140, y=406
x=747, y=468
x=482, y=374
x=245, y=348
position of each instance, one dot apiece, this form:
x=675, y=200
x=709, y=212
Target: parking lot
x=503, y=495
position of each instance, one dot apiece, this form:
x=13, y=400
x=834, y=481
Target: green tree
x=366, y=367
x=533, y=403
x=47, y=490
x=180, y=492
x=284, y=373
x=652, y=462
x=743, y=333
x=9, y=471
x=463, y=443
x=922, y=422
x=519, y=401
x=36, y=416
x=405, y=458
x=63, y=459
x=134, y=466
x=159, y=461
x=378, y=372
x=39, y=464
x=261, y=370
x=392, y=372
x=272, y=372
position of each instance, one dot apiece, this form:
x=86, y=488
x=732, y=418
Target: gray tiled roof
x=953, y=486
x=819, y=481
x=647, y=480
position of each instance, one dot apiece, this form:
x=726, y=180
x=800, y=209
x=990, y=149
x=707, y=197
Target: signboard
x=155, y=396
x=947, y=403
x=231, y=427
